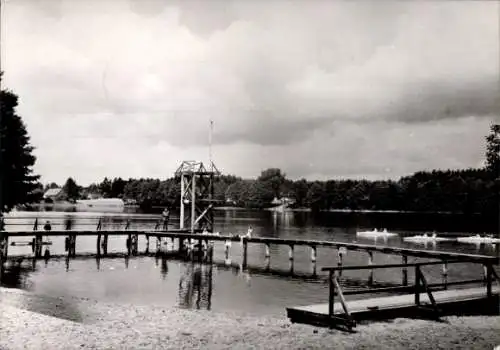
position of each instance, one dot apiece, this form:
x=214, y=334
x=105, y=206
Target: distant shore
x=121, y=326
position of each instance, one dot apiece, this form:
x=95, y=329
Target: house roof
x=51, y=192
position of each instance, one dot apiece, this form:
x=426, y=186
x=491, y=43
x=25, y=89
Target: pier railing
x=97, y=223
x=420, y=285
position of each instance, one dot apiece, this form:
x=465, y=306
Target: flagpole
x=210, y=143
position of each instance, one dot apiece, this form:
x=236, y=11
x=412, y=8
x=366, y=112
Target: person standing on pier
x=166, y=218
x=47, y=226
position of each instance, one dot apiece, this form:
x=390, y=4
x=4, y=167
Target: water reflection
x=195, y=286
x=14, y=275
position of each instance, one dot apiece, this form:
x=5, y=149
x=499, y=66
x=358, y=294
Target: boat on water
x=426, y=238
x=477, y=239
x=115, y=205
x=376, y=233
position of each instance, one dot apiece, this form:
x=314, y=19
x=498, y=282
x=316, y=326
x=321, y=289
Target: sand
x=120, y=326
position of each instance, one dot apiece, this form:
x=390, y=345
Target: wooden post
x=268, y=253
x=405, y=271
x=98, y=244
x=313, y=254
x=245, y=249
x=370, y=262
x=200, y=249
x=99, y=225
x=73, y=245
x=417, y=284
x=339, y=261
x=4, y=246
x=227, y=245
x=489, y=274
x=35, y=226
x=147, y=243
x=445, y=275
x=105, y=244
x=128, y=244
x=135, y=243
x=290, y=252
x=38, y=246
x=332, y=294
x=127, y=225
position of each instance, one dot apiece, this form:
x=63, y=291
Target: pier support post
x=313, y=254
x=290, y=252
x=445, y=275
x=128, y=244
x=158, y=244
x=105, y=244
x=245, y=249
x=405, y=270
x=227, y=246
x=4, y=246
x=134, y=243
x=98, y=248
x=339, y=261
x=370, y=262
x=38, y=246
x=72, y=245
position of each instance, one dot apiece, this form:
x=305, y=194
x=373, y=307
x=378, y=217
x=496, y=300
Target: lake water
x=223, y=286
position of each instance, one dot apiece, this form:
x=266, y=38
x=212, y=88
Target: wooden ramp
x=450, y=302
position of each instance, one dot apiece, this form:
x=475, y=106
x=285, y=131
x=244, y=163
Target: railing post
x=405, y=270
x=313, y=253
x=268, y=252
x=332, y=294
x=245, y=249
x=370, y=262
x=445, y=275
x=290, y=252
x=489, y=276
x=99, y=225
x=417, y=284
x=35, y=226
x=127, y=225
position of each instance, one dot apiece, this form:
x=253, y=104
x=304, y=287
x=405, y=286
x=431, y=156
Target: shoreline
x=118, y=326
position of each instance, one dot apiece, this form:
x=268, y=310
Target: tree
x=17, y=181
x=71, y=189
x=493, y=151
x=274, y=179
x=105, y=188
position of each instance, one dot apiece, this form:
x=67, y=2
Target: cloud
x=127, y=87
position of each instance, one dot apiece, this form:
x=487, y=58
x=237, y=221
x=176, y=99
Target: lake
x=223, y=286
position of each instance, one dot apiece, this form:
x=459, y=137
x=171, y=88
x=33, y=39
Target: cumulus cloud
x=319, y=88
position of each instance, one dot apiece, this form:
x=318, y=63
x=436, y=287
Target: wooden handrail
x=388, y=266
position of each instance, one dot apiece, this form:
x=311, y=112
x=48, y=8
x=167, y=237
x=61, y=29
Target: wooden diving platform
x=452, y=301
x=420, y=300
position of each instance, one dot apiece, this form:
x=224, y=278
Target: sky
x=321, y=89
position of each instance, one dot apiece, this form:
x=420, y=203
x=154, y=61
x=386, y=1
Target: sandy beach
x=88, y=324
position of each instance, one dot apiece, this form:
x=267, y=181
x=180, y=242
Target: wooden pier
x=420, y=300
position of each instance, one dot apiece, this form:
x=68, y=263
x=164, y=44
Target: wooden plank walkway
x=452, y=301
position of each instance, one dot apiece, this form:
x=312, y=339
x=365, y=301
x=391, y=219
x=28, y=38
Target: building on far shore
x=53, y=194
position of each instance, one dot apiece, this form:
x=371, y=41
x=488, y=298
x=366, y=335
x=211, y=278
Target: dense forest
x=459, y=191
